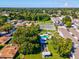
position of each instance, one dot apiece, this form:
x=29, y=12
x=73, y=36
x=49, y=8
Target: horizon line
x=39, y=7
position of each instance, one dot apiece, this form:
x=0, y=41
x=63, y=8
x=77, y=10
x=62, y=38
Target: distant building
x=3, y=32
x=4, y=13
x=4, y=39
x=25, y=23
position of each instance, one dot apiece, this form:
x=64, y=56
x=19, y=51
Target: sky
x=39, y=3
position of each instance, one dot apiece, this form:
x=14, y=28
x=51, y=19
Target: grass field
x=45, y=22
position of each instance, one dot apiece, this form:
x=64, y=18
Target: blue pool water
x=44, y=36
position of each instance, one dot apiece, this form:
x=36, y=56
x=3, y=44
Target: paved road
x=77, y=53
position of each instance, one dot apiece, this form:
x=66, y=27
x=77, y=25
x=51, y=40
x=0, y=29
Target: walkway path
x=77, y=53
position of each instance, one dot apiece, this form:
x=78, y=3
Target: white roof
x=46, y=53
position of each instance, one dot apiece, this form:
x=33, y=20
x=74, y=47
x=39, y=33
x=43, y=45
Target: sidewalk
x=77, y=53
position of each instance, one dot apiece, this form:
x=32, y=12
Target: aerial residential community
x=48, y=33
x=39, y=29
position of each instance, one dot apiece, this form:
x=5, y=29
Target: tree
x=28, y=40
x=7, y=26
x=1, y=22
x=63, y=46
x=74, y=15
x=68, y=24
x=3, y=19
x=66, y=50
x=67, y=21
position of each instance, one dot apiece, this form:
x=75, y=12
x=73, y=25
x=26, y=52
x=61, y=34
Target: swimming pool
x=44, y=36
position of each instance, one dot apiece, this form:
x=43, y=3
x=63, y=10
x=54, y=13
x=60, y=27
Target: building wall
x=6, y=58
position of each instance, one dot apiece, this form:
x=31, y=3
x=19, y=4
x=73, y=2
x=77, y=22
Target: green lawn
x=34, y=56
x=45, y=22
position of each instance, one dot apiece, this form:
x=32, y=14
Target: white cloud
x=66, y=4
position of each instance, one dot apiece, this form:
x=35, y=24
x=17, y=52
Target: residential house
x=4, y=39
x=8, y=52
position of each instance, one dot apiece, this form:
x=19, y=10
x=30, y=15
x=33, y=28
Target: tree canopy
x=3, y=19
x=67, y=21
x=6, y=27
x=28, y=39
x=63, y=46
